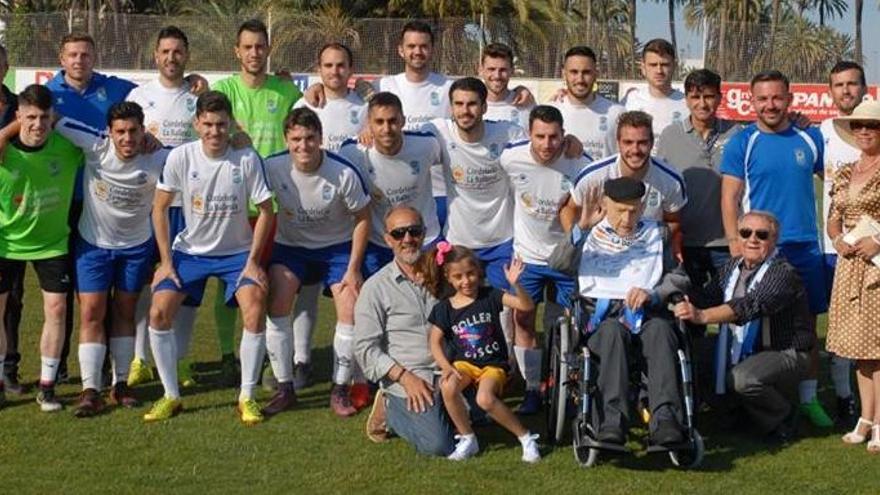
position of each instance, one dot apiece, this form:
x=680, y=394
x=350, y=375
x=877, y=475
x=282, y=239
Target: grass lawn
x=206, y=450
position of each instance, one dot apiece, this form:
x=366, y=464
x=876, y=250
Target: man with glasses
x=391, y=343
x=765, y=333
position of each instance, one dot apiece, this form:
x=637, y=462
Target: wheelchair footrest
x=662, y=449
x=589, y=443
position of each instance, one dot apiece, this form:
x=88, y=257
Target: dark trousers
x=702, y=265
x=12, y=319
x=766, y=384
x=615, y=350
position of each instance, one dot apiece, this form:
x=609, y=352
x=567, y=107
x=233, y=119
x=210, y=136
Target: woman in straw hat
x=854, y=315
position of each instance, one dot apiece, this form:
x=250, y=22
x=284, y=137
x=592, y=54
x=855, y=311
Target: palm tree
x=670, y=11
x=858, y=17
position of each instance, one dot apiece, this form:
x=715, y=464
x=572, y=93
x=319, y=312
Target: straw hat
x=867, y=110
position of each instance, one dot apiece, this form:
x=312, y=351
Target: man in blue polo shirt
x=769, y=166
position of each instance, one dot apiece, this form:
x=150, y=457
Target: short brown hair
x=660, y=47
x=497, y=50
x=77, y=38
x=636, y=119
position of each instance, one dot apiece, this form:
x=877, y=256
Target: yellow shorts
x=477, y=373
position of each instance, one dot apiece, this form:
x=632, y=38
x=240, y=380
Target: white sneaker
x=467, y=446
x=530, y=448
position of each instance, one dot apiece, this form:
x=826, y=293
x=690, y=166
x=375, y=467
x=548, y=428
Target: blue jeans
x=429, y=432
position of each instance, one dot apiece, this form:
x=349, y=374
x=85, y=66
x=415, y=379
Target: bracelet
x=399, y=375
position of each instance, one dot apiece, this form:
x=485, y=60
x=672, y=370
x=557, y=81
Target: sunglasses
x=761, y=234
x=414, y=231
x=871, y=125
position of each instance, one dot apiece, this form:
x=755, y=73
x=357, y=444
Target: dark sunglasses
x=871, y=125
x=761, y=234
x=414, y=231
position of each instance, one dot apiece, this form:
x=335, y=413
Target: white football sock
x=183, y=324
x=251, y=352
x=141, y=325
x=279, y=340
x=91, y=360
x=48, y=370
x=305, y=311
x=841, y=370
x=121, y=354
x=343, y=350
x=164, y=347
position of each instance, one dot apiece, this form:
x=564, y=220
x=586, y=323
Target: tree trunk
x=774, y=21
x=858, y=16
x=631, y=13
x=92, y=17
x=671, y=10
x=721, y=64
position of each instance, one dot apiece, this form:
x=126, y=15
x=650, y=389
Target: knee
x=55, y=308
x=743, y=382
x=486, y=400
x=450, y=386
x=440, y=445
x=91, y=313
x=160, y=317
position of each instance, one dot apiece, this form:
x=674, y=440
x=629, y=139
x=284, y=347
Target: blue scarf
x=631, y=319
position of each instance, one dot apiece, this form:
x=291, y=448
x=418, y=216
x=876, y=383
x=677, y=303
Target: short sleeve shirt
x=402, y=179
x=837, y=154
x=474, y=330
x=479, y=201
x=215, y=194
x=92, y=105
x=315, y=209
x=506, y=111
x=341, y=119
x=777, y=170
x=595, y=125
x=665, y=111
x=118, y=194
x=539, y=193
x=168, y=112
x=665, y=191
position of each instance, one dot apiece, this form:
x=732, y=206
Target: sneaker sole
x=375, y=437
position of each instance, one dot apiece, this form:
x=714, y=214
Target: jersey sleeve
x=583, y=183
x=258, y=186
x=516, y=133
x=733, y=158
x=819, y=164
x=90, y=140
x=355, y=192
x=171, y=179
x=675, y=199
x=440, y=317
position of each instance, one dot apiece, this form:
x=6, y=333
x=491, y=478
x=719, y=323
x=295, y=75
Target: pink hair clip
x=443, y=248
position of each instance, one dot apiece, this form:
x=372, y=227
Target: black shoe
x=786, y=432
x=12, y=385
x=668, y=432
x=847, y=414
x=611, y=434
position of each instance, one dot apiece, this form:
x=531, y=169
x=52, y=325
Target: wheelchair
x=570, y=389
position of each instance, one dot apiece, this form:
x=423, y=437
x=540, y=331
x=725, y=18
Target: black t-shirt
x=474, y=330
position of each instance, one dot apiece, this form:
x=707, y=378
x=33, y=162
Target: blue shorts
x=176, y=224
x=375, y=257
x=535, y=278
x=99, y=269
x=327, y=264
x=442, y=211
x=809, y=261
x=194, y=271
x=494, y=258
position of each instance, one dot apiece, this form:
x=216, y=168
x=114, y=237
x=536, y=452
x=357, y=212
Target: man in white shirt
x=114, y=250
x=665, y=194
x=398, y=171
x=504, y=104
x=589, y=116
x=323, y=225
x=169, y=106
x=215, y=183
x=847, y=87
x=665, y=104
x=541, y=179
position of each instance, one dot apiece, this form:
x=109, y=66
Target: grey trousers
x=613, y=347
x=766, y=385
x=429, y=432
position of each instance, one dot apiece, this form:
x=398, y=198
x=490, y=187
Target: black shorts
x=54, y=274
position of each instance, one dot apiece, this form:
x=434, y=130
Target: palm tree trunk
x=671, y=10
x=631, y=12
x=858, y=12
x=774, y=21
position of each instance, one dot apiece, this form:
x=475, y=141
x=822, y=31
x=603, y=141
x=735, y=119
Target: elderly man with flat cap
x=625, y=284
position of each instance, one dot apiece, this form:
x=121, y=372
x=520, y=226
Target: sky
x=651, y=22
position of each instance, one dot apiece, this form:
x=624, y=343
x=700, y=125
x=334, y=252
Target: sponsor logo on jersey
x=527, y=200
x=458, y=173
x=102, y=190
x=198, y=203
x=415, y=167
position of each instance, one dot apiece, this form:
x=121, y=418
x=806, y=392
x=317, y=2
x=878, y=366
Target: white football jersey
x=315, y=209
x=422, y=102
x=402, y=179
x=168, y=112
x=117, y=194
x=665, y=111
x=480, y=206
x=611, y=265
x=215, y=194
x=664, y=186
x=341, y=118
x=539, y=192
x=505, y=111
x=837, y=154
x=595, y=125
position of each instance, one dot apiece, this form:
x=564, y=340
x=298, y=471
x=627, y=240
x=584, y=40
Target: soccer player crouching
x=115, y=247
x=215, y=183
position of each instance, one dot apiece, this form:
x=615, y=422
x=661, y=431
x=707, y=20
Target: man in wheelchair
x=624, y=287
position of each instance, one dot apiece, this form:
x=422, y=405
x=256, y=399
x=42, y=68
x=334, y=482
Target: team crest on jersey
x=493, y=151
x=603, y=123
x=676, y=116
x=54, y=168
x=326, y=192
x=353, y=117
x=800, y=157
x=59, y=101
x=198, y=203
x=190, y=104
x=101, y=94
x=142, y=177
x=435, y=98
x=150, y=104
x=101, y=190
x=514, y=114
x=654, y=199
x=236, y=175
x=458, y=174
x=415, y=167
x=565, y=184
x=271, y=105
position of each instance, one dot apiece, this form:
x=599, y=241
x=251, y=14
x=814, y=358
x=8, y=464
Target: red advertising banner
x=812, y=100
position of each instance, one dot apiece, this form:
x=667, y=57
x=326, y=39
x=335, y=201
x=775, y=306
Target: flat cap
x=624, y=189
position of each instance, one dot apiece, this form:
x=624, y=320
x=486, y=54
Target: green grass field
x=308, y=450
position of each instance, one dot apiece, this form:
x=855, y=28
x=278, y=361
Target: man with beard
x=496, y=67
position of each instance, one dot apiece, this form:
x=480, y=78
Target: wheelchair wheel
x=586, y=457
x=556, y=390
x=689, y=458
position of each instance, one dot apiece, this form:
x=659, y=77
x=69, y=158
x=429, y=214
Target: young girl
x=466, y=325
